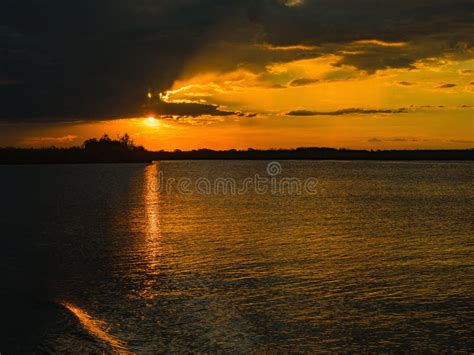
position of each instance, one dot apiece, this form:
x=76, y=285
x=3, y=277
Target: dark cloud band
x=348, y=111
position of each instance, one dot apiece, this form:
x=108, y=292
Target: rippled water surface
x=99, y=259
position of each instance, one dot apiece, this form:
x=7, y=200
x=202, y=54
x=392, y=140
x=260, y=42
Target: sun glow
x=152, y=122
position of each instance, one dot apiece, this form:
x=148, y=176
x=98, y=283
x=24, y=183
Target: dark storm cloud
x=188, y=109
x=347, y=111
x=320, y=21
x=93, y=59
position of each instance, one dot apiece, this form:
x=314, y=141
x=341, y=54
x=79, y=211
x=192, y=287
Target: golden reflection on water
x=96, y=328
x=152, y=214
x=151, y=248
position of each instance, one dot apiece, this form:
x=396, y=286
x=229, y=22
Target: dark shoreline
x=319, y=154
x=21, y=156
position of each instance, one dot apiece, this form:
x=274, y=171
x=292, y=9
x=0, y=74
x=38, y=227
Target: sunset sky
x=185, y=74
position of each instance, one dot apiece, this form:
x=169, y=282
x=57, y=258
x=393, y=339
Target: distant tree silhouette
x=105, y=142
x=106, y=149
x=124, y=150
x=102, y=150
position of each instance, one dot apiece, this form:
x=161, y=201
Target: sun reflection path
x=152, y=247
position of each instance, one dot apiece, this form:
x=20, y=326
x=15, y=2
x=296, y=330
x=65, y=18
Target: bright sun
x=152, y=121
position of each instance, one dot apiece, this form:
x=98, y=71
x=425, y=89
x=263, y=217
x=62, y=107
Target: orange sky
x=292, y=103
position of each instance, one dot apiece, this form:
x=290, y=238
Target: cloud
x=295, y=47
x=465, y=72
x=377, y=42
x=187, y=109
x=427, y=106
x=293, y=3
x=403, y=139
x=394, y=139
x=446, y=86
x=97, y=59
x=405, y=83
x=303, y=82
x=348, y=111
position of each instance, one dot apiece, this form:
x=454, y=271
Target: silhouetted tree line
x=102, y=150
x=123, y=150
